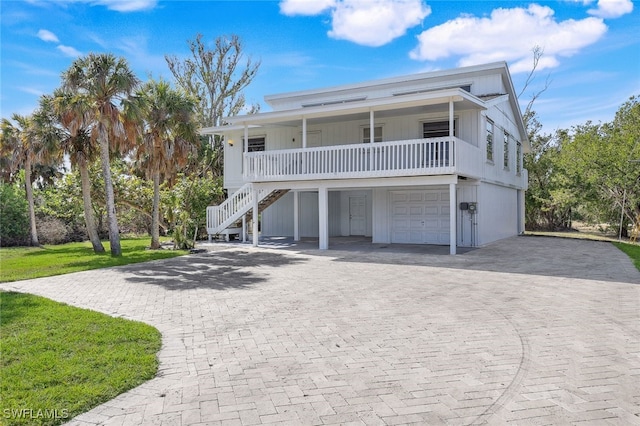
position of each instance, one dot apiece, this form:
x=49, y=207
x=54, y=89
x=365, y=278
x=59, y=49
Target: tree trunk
x=89, y=218
x=155, y=216
x=33, y=241
x=114, y=232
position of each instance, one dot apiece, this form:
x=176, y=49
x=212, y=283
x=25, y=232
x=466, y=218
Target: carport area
x=528, y=330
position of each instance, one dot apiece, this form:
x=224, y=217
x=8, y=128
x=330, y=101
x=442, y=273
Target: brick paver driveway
x=525, y=331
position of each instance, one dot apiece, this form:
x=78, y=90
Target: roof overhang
x=461, y=98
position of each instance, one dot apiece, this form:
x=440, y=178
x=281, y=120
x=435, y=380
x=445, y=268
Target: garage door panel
x=400, y=210
x=431, y=196
x=416, y=196
x=399, y=196
x=432, y=224
x=416, y=210
x=432, y=210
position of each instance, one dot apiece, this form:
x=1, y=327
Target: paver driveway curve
x=524, y=331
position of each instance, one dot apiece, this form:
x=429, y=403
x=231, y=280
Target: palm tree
x=25, y=143
x=104, y=80
x=168, y=135
x=72, y=113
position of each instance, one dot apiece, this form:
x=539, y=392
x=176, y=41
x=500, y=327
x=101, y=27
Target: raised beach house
x=431, y=158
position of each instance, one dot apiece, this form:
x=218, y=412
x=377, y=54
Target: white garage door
x=420, y=217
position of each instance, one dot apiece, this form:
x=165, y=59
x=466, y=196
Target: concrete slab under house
x=430, y=158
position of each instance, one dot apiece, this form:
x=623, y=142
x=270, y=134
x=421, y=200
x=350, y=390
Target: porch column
x=304, y=145
x=304, y=132
x=323, y=219
x=451, y=134
x=255, y=216
x=452, y=218
x=372, y=132
x=245, y=149
x=296, y=216
x=246, y=138
x=371, y=126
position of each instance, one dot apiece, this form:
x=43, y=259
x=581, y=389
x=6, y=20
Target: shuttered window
x=490, y=130
x=438, y=129
x=256, y=144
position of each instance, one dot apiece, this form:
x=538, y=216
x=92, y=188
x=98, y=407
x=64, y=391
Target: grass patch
x=632, y=250
x=21, y=263
x=59, y=361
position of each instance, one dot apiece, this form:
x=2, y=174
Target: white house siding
x=277, y=219
x=488, y=85
x=503, y=120
x=467, y=227
x=497, y=212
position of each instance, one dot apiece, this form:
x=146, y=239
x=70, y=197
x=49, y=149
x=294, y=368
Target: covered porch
x=390, y=219
x=359, y=138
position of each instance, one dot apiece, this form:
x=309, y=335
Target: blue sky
x=592, y=48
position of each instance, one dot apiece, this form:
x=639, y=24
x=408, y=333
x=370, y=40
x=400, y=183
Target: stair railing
x=240, y=202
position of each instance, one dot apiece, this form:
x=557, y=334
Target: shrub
x=14, y=216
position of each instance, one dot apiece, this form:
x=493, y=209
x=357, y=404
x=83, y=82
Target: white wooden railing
x=240, y=202
x=398, y=158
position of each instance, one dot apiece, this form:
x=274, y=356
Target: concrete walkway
x=526, y=331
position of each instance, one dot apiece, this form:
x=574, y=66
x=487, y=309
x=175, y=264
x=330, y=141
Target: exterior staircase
x=229, y=214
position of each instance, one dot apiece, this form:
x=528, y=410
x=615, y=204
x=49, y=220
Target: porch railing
x=397, y=158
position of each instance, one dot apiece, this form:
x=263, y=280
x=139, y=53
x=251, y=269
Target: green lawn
x=59, y=361
x=22, y=263
x=632, y=250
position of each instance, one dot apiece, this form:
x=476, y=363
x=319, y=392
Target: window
x=366, y=134
x=506, y=150
x=518, y=157
x=438, y=129
x=490, y=128
x=256, y=144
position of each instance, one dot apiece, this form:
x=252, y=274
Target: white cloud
x=611, y=8
x=365, y=22
x=69, y=51
x=509, y=35
x=31, y=90
x=116, y=5
x=305, y=7
x=46, y=35
x=127, y=5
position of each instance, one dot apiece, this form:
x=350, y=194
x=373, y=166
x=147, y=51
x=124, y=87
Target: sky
x=591, y=58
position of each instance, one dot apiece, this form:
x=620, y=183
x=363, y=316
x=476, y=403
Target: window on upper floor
x=257, y=144
x=438, y=129
x=490, y=139
x=507, y=138
x=377, y=134
x=518, y=157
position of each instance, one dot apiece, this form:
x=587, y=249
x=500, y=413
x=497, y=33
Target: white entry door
x=420, y=217
x=357, y=216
